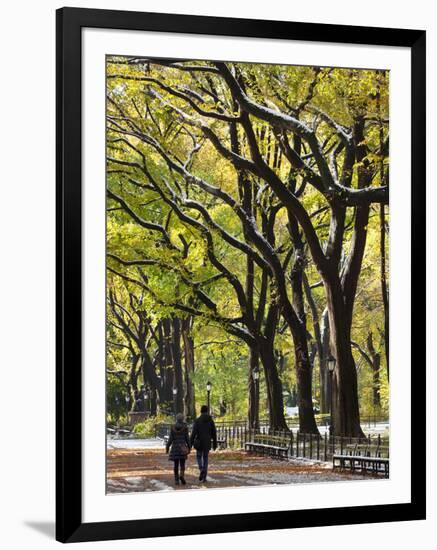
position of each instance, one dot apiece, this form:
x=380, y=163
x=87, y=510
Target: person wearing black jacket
x=179, y=446
x=203, y=434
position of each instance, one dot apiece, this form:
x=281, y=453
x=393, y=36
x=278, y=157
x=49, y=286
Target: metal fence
x=300, y=445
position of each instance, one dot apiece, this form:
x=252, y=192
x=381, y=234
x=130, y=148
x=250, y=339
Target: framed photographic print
x=241, y=274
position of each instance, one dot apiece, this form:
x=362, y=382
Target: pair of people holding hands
x=203, y=437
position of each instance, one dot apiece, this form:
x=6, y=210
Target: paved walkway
x=148, y=469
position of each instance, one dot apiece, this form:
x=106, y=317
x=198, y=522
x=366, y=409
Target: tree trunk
x=253, y=386
x=297, y=324
x=321, y=335
x=307, y=421
x=325, y=380
x=376, y=364
x=153, y=402
x=345, y=414
x=384, y=289
x=190, y=408
x=133, y=382
x=161, y=364
x=341, y=293
x=384, y=179
x=167, y=361
x=274, y=387
x=177, y=364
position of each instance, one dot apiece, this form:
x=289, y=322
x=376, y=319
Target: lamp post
x=117, y=408
x=255, y=374
x=331, y=367
x=127, y=400
x=175, y=392
x=145, y=397
x=208, y=394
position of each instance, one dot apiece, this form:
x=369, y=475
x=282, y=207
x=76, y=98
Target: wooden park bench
x=365, y=458
x=270, y=445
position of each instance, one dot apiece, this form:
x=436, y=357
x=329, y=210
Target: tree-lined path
x=247, y=248
x=139, y=470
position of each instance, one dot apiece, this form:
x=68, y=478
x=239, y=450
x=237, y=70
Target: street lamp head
x=175, y=391
x=255, y=374
x=208, y=386
x=331, y=363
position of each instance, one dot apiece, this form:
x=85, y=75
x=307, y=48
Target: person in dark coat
x=179, y=446
x=203, y=434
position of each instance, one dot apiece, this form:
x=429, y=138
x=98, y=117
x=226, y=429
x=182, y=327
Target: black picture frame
x=69, y=525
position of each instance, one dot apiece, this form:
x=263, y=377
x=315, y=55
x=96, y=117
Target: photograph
x=218, y=273
x=247, y=274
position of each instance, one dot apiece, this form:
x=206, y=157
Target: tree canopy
x=247, y=216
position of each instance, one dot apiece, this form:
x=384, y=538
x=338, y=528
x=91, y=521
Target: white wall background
x=27, y=225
